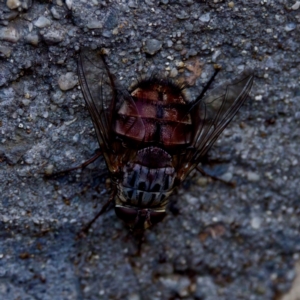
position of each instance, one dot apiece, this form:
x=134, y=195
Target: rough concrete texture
x=216, y=242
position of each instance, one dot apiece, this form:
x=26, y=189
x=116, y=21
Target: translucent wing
x=104, y=99
x=212, y=114
x=216, y=112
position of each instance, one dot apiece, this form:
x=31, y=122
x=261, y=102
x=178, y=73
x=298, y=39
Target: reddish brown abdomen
x=155, y=114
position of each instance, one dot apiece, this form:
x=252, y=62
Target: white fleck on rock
x=13, y=4
x=42, y=22
x=55, y=13
x=69, y=3
x=258, y=98
x=296, y=5
x=256, y=222
x=45, y=114
x=67, y=81
x=9, y=34
x=5, y=219
x=26, y=102
x=252, y=176
x=227, y=176
x=290, y=26
x=169, y=43
x=205, y=18
x=26, y=4
x=215, y=55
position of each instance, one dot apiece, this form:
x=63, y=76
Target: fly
x=151, y=137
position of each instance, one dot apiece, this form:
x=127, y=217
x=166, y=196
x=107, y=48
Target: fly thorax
x=148, y=181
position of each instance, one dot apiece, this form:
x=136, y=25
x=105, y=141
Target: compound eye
x=156, y=216
x=126, y=214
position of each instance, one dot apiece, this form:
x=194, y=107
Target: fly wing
x=103, y=97
x=215, y=112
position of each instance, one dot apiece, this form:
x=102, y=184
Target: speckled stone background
x=216, y=242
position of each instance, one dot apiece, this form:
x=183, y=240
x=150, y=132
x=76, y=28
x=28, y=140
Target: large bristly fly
x=151, y=137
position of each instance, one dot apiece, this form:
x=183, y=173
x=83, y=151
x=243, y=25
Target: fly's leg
x=230, y=183
x=105, y=207
x=97, y=154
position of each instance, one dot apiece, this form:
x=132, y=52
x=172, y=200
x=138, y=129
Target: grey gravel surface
x=216, y=242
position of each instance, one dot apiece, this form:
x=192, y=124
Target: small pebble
x=182, y=15
x=290, y=26
x=42, y=22
x=57, y=98
x=227, y=176
x=169, y=43
x=253, y=177
x=296, y=5
x=152, y=46
x=13, y=4
x=67, y=81
x=215, y=55
x=55, y=13
x=69, y=4
x=32, y=39
x=26, y=4
x=173, y=73
x=205, y=18
x=256, y=222
x=93, y=24
x=6, y=51
x=53, y=37
x=9, y=34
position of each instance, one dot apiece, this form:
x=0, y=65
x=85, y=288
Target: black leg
x=82, y=166
x=87, y=227
x=208, y=84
